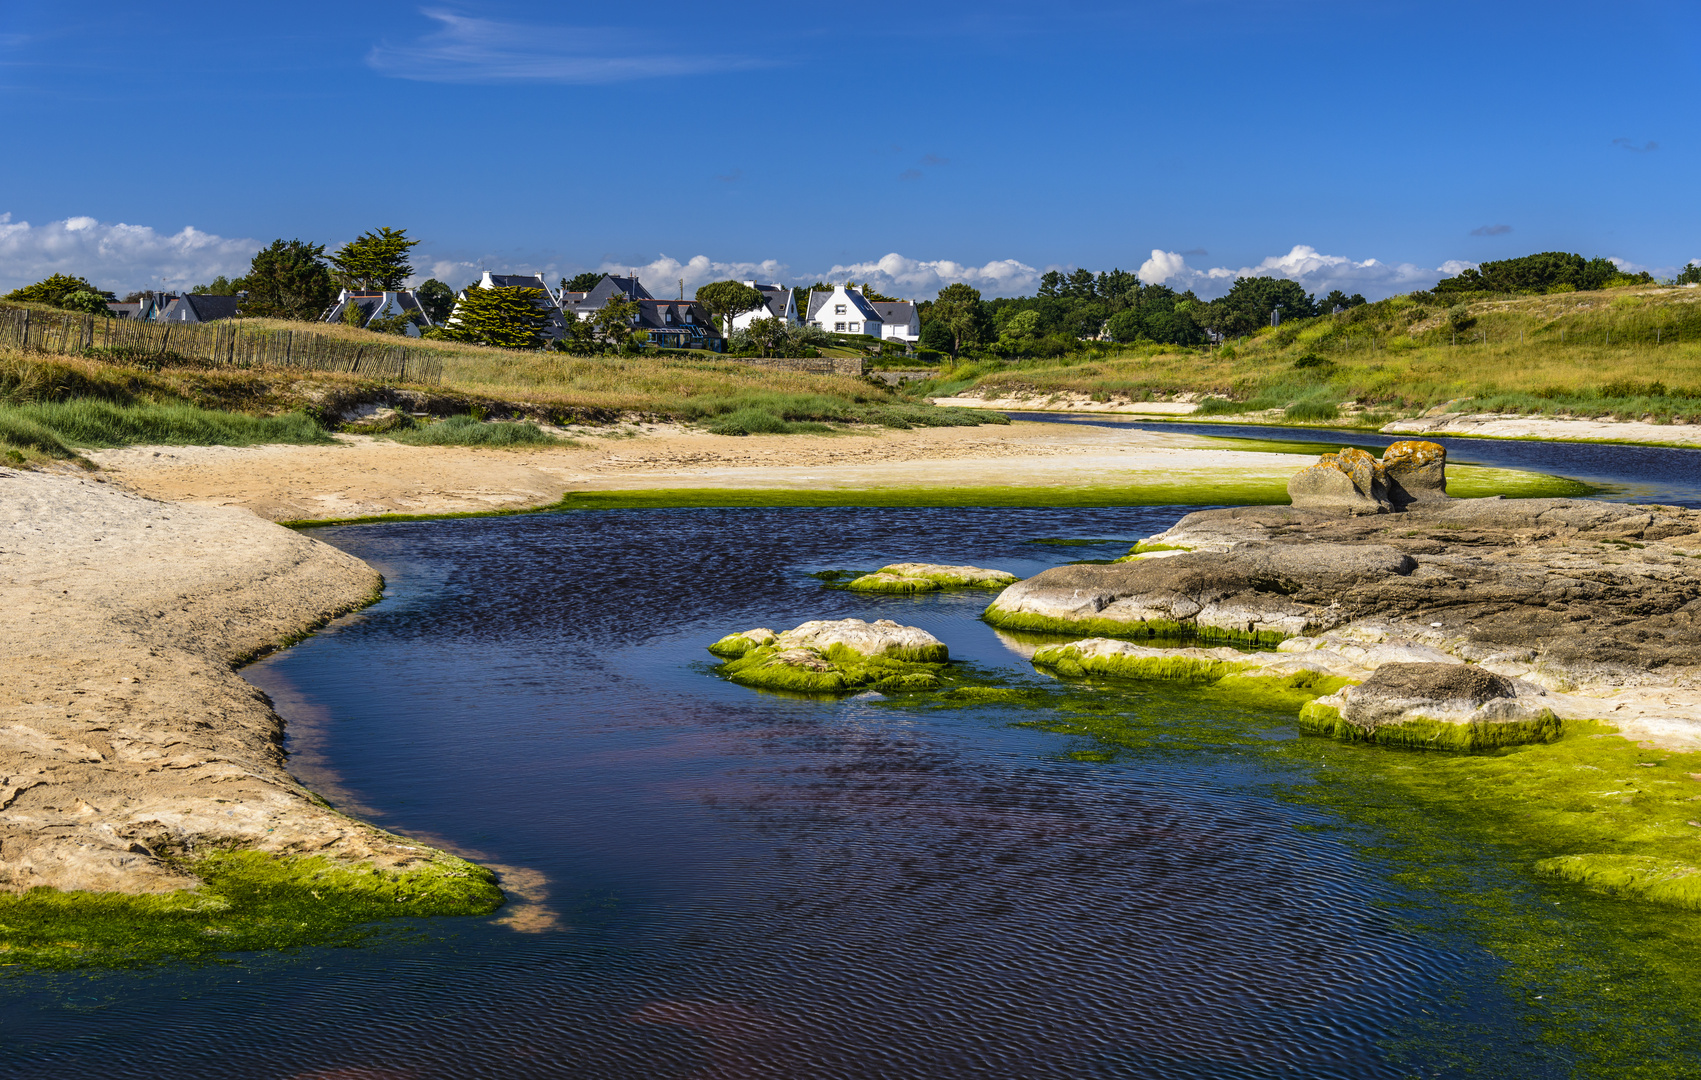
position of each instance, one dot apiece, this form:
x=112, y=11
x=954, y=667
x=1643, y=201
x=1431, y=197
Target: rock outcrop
x=834, y=656
x=1357, y=483
x=1440, y=705
x=929, y=577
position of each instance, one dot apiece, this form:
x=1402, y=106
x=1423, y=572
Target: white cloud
x=471, y=50
x=117, y=257
x=1317, y=272
x=920, y=279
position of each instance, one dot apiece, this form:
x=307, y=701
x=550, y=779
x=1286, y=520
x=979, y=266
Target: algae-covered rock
x=1351, y=480
x=1102, y=656
x=735, y=645
x=1660, y=881
x=835, y=656
x=1414, y=471
x=928, y=577
x=1255, y=594
x=1434, y=705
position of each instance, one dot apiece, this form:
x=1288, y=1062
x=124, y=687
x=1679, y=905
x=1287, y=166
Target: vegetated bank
x=50, y=405
x=1626, y=353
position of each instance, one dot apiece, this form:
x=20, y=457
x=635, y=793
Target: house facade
x=678, y=324
x=778, y=303
x=898, y=320
x=379, y=304
x=843, y=310
x=588, y=303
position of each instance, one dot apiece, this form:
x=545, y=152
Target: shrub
x=1311, y=411
x=470, y=431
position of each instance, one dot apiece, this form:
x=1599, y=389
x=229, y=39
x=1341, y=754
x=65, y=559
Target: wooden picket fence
x=225, y=343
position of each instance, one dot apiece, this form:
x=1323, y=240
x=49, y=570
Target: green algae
x=1134, y=630
x=1317, y=718
x=733, y=646
x=1643, y=877
x=881, y=582
x=1071, y=661
x=248, y=900
x=837, y=669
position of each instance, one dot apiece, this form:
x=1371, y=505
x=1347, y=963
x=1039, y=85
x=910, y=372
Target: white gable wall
x=841, y=315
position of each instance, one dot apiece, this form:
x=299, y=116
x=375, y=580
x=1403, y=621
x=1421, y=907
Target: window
x=839, y=326
x=838, y=309
x=856, y=328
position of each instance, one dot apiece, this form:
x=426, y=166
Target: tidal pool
x=1111, y=881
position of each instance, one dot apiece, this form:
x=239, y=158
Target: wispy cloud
x=910, y=174
x=118, y=257
x=1491, y=230
x=465, y=49
x=921, y=279
x=934, y=161
x=1630, y=145
x=1319, y=273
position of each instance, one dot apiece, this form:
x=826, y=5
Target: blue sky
x=1365, y=145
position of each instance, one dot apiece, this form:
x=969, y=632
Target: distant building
x=555, y=326
x=844, y=310
x=678, y=324
x=588, y=303
x=198, y=308
x=779, y=303
x=145, y=309
x=379, y=304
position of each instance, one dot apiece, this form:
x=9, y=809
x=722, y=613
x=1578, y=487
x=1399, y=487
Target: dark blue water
x=724, y=883
x=1623, y=472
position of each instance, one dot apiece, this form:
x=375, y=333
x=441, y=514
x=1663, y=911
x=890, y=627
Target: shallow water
x=1623, y=472
x=747, y=885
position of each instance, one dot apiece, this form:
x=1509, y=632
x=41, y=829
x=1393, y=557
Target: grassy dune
x=1627, y=353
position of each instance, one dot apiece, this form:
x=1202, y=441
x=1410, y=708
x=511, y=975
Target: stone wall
x=856, y=367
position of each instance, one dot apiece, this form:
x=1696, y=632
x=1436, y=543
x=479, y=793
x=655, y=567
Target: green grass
x=248, y=900
x=466, y=431
x=96, y=423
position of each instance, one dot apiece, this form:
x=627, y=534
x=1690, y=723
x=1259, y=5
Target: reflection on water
x=744, y=885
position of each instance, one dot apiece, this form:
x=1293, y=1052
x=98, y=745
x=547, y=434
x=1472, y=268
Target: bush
x=1311, y=411
x=1312, y=360
x=751, y=420
x=470, y=431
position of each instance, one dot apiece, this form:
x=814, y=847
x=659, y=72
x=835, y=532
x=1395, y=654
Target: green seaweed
x=838, y=670
x=1643, y=877
x=248, y=900
x=1135, y=630
x=1317, y=718
x=732, y=646
x=879, y=582
x=1069, y=660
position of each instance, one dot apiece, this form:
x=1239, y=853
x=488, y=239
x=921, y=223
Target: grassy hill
x=1629, y=352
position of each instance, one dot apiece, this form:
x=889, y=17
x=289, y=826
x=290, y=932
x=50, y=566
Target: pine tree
x=288, y=281
x=508, y=318
x=375, y=260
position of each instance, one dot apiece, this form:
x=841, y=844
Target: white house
x=898, y=319
x=843, y=310
x=378, y=305
x=780, y=304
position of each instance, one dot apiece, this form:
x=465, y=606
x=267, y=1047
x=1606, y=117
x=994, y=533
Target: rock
x=883, y=637
x=1259, y=594
x=1414, y=471
x=1441, y=706
x=834, y=656
x=928, y=577
x=1351, y=480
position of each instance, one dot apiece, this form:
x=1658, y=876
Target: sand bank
x=126, y=737
x=1494, y=425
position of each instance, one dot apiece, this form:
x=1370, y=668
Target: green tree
x=90, y=303
x=375, y=260
x=288, y=280
x=584, y=282
x=612, y=323
x=352, y=315
x=1250, y=302
x=508, y=318
x=220, y=286
x=958, y=310
x=870, y=293
x=767, y=334
x=1690, y=274
x=436, y=298
x=729, y=299
x=53, y=290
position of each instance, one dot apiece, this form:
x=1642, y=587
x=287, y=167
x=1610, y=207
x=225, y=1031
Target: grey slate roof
x=200, y=308
x=894, y=312
x=518, y=281
x=818, y=299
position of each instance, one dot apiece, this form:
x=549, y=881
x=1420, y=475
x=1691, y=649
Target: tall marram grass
x=466, y=431
x=94, y=423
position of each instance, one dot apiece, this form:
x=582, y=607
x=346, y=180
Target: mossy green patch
x=1135, y=631
x=248, y=900
x=1070, y=660
x=880, y=582
x=835, y=670
x=1317, y=718
x=734, y=645
x=1644, y=877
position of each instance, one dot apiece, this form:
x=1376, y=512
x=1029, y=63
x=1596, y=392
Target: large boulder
x=1415, y=471
x=832, y=656
x=1257, y=593
x=1435, y=705
x=1351, y=480
x=929, y=577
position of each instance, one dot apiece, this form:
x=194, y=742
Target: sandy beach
x=364, y=476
